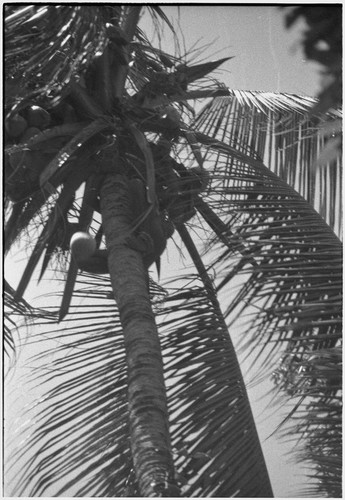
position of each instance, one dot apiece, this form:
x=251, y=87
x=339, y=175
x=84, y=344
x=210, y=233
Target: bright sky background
x=267, y=57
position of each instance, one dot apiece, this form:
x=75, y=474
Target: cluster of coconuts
x=22, y=167
x=31, y=121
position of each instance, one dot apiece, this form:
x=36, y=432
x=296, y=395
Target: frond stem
x=193, y=252
x=210, y=290
x=220, y=228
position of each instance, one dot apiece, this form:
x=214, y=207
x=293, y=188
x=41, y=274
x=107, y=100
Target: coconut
x=82, y=245
x=15, y=125
x=38, y=117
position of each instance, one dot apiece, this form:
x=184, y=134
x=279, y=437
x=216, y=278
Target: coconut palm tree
x=107, y=165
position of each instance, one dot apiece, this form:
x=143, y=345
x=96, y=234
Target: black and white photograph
x=172, y=250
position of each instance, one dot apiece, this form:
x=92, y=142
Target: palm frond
x=290, y=243
x=286, y=266
x=223, y=452
x=46, y=45
x=11, y=307
x=86, y=390
x=77, y=399
x=158, y=13
x=278, y=129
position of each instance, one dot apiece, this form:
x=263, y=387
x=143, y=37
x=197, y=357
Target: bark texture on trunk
x=148, y=414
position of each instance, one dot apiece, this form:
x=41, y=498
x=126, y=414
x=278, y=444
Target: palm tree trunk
x=148, y=414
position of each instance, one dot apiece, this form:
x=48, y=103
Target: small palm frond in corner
x=313, y=380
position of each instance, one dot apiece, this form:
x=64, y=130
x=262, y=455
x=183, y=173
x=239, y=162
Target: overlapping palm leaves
x=196, y=349
x=15, y=315
x=258, y=222
x=283, y=132
x=296, y=277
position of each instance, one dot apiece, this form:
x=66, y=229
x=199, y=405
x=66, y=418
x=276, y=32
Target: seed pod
x=82, y=246
x=38, y=117
x=15, y=125
x=86, y=254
